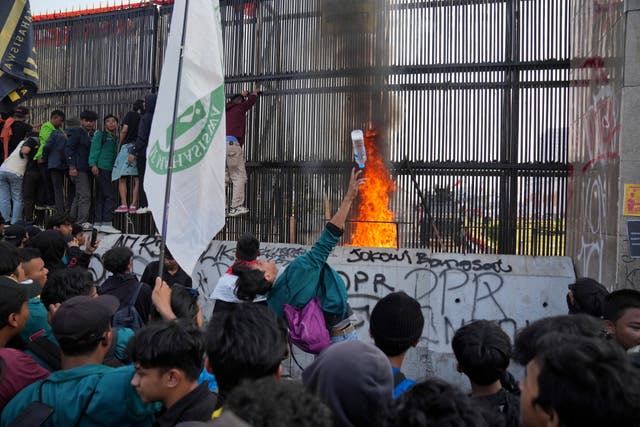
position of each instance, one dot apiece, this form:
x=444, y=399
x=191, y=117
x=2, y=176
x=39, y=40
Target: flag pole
x=167, y=190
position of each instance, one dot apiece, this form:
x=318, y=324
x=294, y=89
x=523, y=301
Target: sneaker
x=240, y=210
x=132, y=209
x=122, y=208
x=109, y=229
x=143, y=210
x=87, y=226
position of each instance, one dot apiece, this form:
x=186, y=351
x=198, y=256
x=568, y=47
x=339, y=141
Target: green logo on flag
x=195, y=130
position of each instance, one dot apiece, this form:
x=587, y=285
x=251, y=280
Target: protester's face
x=21, y=317
x=149, y=383
x=269, y=268
x=57, y=121
x=626, y=330
x=88, y=125
x=532, y=414
x=111, y=124
x=35, y=270
x=65, y=229
x=80, y=238
x=170, y=263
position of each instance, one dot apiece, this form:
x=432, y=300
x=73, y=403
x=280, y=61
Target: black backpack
x=128, y=316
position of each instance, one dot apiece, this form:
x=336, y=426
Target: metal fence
x=470, y=98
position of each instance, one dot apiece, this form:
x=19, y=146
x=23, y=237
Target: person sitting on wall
x=396, y=325
x=224, y=294
x=307, y=276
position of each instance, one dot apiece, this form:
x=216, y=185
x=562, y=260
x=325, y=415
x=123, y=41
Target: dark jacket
x=139, y=148
x=198, y=405
x=123, y=286
x=77, y=149
x=54, y=150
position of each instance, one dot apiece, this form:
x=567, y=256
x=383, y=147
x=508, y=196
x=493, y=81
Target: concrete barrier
x=452, y=289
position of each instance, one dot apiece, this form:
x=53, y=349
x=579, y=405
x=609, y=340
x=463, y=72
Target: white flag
x=196, y=210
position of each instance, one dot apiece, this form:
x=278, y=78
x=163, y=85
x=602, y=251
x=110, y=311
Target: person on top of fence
x=101, y=159
x=124, y=166
x=307, y=276
x=235, y=171
x=138, y=151
x=46, y=188
x=77, y=154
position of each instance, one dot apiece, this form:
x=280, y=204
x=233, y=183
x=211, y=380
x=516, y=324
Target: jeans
x=30, y=187
x=82, y=200
x=351, y=336
x=10, y=192
x=105, y=197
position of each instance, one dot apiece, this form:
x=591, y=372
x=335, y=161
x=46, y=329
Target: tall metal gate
x=469, y=99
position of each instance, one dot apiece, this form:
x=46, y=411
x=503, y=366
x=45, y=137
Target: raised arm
x=340, y=217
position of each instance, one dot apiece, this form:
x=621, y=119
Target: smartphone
x=33, y=415
x=94, y=236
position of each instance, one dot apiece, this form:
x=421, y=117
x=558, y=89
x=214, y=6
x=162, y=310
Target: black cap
x=21, y=112
x=14, y=234
x=12, y=296
x=84, y=318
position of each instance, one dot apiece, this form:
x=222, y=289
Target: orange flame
x=376, y=228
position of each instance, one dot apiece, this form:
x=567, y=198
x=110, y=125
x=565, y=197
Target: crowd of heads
x=575, y=370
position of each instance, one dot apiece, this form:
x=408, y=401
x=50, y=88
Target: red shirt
x=236, y=117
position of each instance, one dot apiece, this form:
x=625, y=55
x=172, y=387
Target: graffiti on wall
x=452, y=289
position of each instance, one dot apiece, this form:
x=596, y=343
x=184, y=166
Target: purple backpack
x=307, y=329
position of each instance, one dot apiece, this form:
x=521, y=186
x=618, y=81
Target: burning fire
x=373, y=223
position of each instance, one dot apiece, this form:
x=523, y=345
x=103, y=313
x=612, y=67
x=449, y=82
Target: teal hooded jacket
x=87, y=396
x=300, y=282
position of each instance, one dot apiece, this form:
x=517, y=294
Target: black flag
x=18, y=70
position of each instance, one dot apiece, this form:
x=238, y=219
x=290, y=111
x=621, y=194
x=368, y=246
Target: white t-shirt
x=225, y=290
x=14, y=163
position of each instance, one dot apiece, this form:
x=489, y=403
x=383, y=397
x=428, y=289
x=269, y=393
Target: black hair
x=248, y=247
x=57, y=113
x=587, y=382
x=588, y=297
x=57, y=220
x=116, y=260
x=527, y=341
x=168, y=254
x=618, y=301
x=237, y=97
x=109, y=116
x=27, y=254
x=434, y=403
x=64, y=284
x=89, y=115
x=138, y=105
x=269, y=402
x=9, y=259
x=483, y=351
x=177, y=344
x=250, y=282
x=184, y=304
x=246, y=342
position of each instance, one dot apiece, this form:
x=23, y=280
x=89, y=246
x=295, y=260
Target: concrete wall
x=452, y=289
x=595, y=127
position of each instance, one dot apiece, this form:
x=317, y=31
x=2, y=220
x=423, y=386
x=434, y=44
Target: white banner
x=196, y=209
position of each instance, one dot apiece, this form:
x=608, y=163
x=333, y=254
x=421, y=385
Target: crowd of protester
x=136, y=352
x=66, y=166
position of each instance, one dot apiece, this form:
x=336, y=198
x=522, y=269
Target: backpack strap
x=134, y=298
x=47, y=351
